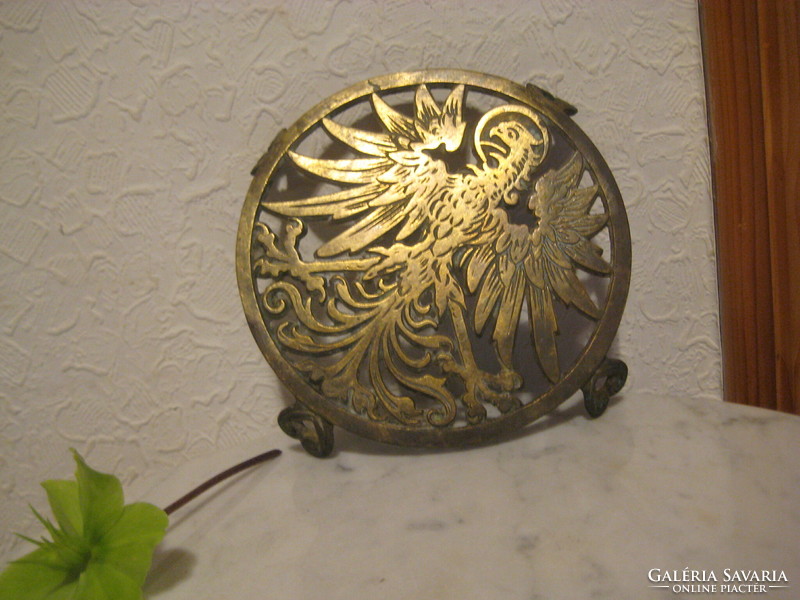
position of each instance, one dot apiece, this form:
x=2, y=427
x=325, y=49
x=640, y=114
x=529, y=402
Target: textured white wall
x=129, y=128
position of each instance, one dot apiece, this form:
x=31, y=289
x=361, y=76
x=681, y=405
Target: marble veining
x=573, y=508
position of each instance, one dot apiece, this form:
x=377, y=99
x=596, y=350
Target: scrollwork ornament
x=314, y=433
x=411, y=249
x=606, y=381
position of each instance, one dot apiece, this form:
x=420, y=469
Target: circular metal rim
x=589, y=359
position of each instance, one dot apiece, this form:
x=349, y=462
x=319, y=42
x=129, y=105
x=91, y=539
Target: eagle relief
x=413, y=251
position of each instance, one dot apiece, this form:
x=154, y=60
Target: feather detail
x=555, y=254
x=390, y=194
x=415, y=217
x=587, y=255
x=580, y=200
x=570, y=289
x=364, y=232
x=426, y=110
x=339, y=205
x=357, y=170
x=589, y=225
x=534, y=271
x=487, y=299
x=555, y=189
x=374, y=144
x=479, y=262
x=394, y=121
x=454, y=102
x=505, y=328
x=544, y=328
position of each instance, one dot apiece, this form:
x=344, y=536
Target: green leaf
x=63, y=498
x=101, y=549
x=104, y=582
x=129, y=544
x=39, y=575
x=100, y=498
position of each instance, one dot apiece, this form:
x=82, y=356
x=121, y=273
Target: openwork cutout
x=434, y=258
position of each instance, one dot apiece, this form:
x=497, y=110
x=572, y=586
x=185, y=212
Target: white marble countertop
x=576, y=508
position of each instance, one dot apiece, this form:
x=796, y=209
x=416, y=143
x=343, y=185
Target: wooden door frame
x=751, y=52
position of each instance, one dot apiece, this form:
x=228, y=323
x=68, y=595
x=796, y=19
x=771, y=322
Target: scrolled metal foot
x=314, y=432
x=607, y=380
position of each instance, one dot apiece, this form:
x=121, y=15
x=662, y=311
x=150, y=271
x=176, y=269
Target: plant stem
x=219, y=478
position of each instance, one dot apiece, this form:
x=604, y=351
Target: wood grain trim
x=750, y=54
x=779, y=43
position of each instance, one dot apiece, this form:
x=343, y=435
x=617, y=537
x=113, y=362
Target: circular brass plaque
x=434, y=258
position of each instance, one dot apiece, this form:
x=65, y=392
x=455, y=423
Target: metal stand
x=314, y=432
x=607, y=380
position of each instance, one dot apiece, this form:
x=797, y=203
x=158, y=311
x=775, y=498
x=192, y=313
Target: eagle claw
x=475, y=411
x=483, y=387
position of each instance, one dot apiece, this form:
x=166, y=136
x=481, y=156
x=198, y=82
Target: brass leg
x=607, y=380
x=314, y=432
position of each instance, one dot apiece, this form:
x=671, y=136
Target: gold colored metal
x=393, y=246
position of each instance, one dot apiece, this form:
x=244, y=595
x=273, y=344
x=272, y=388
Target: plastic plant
x=101, y=548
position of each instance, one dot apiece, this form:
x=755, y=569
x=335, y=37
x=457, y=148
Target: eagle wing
x=394, y=184
x=533, y=265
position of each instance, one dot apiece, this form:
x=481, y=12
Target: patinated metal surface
x=434, y=258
